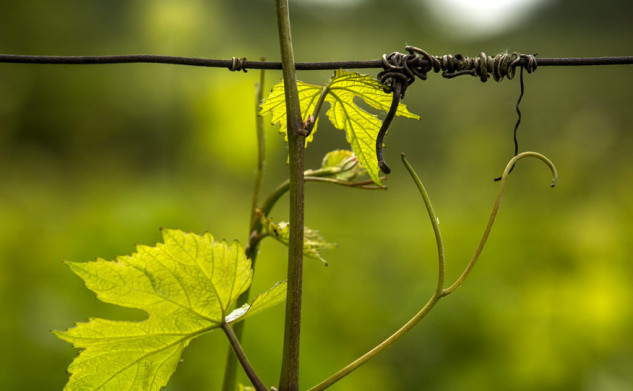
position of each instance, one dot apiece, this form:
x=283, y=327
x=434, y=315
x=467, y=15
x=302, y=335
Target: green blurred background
x=94, y=159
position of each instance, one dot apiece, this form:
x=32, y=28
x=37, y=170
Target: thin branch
x=493, y=214
x=384, y=345
x=312, y=119
x=365, y=185
x=314, y=176
x=255, y=228
x=435, y=223
x=437, y=294
x=261, y=148
x=237, y=348
x=300, y=66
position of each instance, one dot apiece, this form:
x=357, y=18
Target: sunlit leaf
x=185, y=285
x=361, y=127
x=313, y=242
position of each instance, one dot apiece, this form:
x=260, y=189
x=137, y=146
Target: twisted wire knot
x=406, y=67
x=400, y=70
x=483, y=66
x=396, y=70
x=237, y=64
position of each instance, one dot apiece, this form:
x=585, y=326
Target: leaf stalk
x=230, y=372
x=241, y=356
x=315, y=176
x=317, y=108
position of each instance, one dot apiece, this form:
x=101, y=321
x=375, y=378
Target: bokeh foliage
x=94, y=159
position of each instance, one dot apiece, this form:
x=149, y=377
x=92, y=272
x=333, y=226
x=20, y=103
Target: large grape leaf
x=361, y=127
x=186, y=286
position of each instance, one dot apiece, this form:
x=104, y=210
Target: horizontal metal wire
x=246, y=64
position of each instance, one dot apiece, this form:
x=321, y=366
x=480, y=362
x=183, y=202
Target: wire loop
x=483, y=66
x=237, y=64
x=396, y=70
x=418, y=63
x=406, y=67
x=399, y=71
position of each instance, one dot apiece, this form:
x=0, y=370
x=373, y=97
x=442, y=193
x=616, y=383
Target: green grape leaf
x=361, y=127
x=313, y=242
x=185, y=285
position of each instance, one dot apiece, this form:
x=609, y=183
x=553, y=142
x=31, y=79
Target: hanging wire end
x=401, y=70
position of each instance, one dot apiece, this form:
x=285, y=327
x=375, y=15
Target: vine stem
x=289, y=377
x=493, y=214
x=439, y=292
x=261, y=149
x=230, y=371
x=241, y=356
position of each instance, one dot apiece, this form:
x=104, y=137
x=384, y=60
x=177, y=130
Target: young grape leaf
x=344, y=165
x=313, y=242
x=186, y=286
x=275, y=104
x=361, y=127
